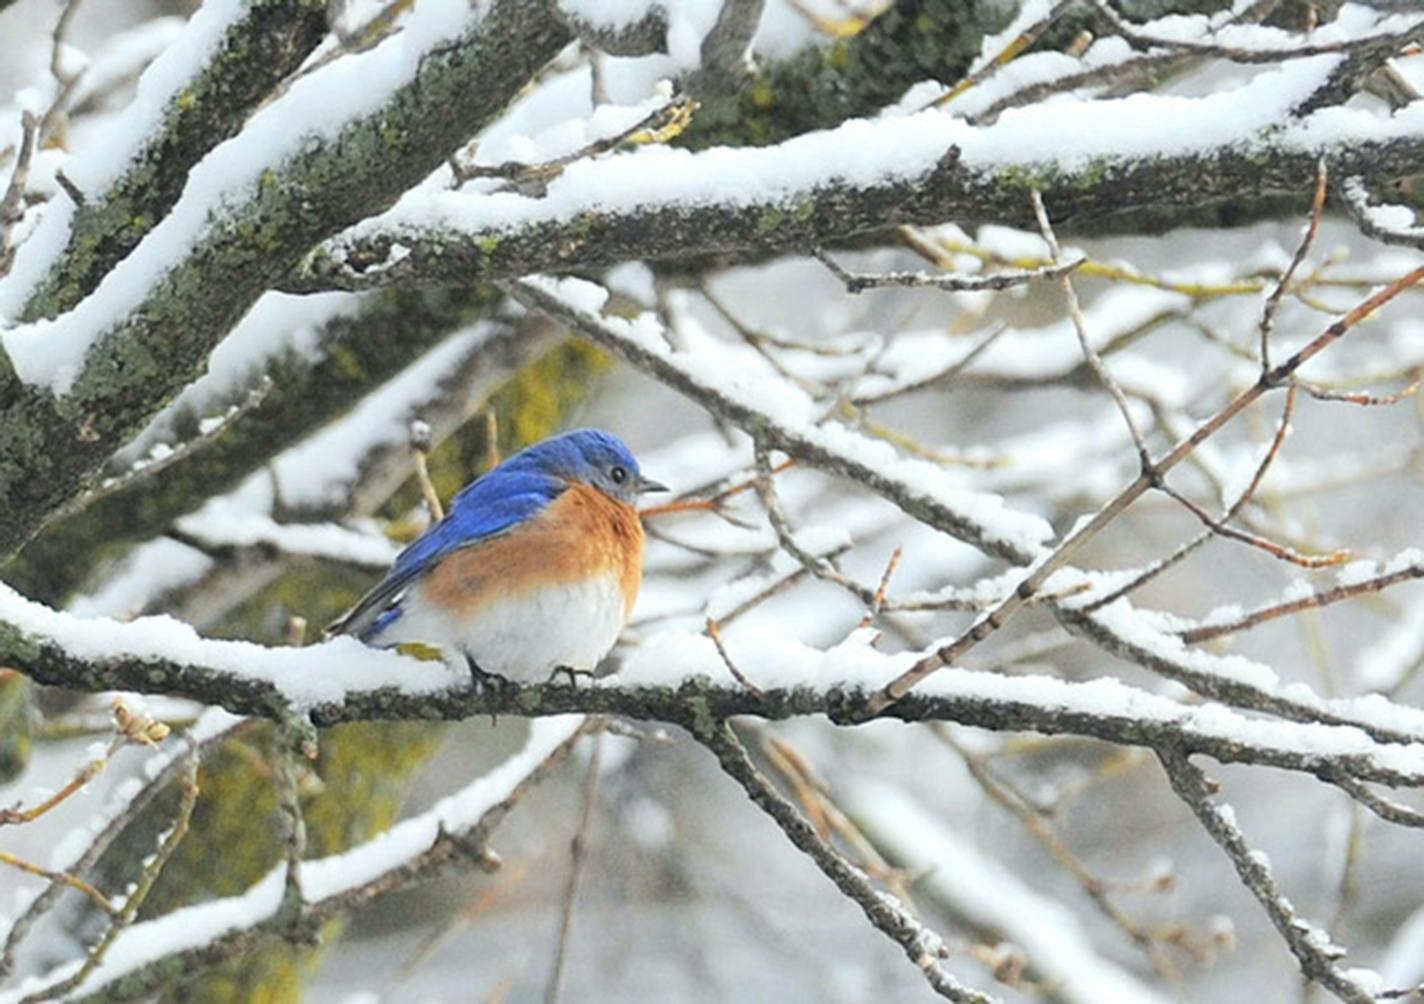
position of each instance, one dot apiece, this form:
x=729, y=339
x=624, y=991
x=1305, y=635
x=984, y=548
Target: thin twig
x=129, y=912
x=716, y=635
x=420, y=448
x=859, y=282
x=1150, y=477
x=1281, y=552
x=1273, y=301
x=62, y=878
x=1080, y=327
x=1009, y=798
x=1321, y=598
x=1006, y=55
x=878, y=600
x=578, y=856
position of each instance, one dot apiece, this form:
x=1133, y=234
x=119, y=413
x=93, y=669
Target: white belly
x=526, y=636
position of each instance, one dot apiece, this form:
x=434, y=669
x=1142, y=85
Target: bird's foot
x=571, y=674
x=485, y=682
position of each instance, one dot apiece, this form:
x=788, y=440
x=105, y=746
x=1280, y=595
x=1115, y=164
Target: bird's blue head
x=591, y=456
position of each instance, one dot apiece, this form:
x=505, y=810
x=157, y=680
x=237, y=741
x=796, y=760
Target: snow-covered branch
x=1162, y=154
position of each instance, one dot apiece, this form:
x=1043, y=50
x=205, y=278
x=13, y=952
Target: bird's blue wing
x=487, y=507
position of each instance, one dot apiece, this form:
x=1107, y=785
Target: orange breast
x=581, y=533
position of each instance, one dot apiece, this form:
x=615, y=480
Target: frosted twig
x=1312, y=947
x=1385, y=808
x=859, y=282
x=661, y=123
x=1381, y=222
x=922, y=946
x=1243, y=54
x=1007, y=54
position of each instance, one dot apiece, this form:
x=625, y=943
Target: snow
x=277, y=323
x=862, y=153
x=771, y=661
x=304, y=676
x=145, y=573
x=327, y=540
x=457, y=813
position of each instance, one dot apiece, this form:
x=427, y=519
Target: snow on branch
x=146, y=956
x=675, y=678
x=1089, y=159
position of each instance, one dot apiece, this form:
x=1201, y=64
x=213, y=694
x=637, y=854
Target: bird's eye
x=619, y=475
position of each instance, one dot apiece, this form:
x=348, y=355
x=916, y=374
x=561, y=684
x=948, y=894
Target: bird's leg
x=478, y=677
x=571, y=673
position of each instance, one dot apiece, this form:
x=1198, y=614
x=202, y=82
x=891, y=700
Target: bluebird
x=534, y=569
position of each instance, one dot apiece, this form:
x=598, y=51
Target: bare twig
x=716, y=635
x=420, y=448
x=578, y=856
x=63, y=878
x=1321, y=598
x=1005, y=795
x=1273, y=301
x=1080, y=327
x=878, y=600
x=129, y=911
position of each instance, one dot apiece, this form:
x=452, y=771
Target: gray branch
x=795, y=219
x=49, y=449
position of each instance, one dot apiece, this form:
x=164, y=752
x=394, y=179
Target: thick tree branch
x=654, y=204
x=137, y=359
x=266, y=41
x=340, y=681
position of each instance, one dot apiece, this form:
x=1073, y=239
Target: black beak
x=643, y=485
